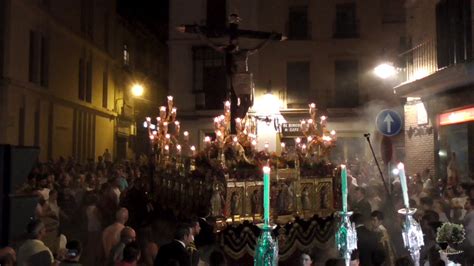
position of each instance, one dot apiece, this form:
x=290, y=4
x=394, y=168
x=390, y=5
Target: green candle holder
x=266, y=251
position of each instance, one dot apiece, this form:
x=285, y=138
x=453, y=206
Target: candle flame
x=400, y=166
x=333, y=132
x=266, y=169
x=343, y=166
x=207, y=139
x=193, y=148
x=178, y=147
x=162, y=108
x=283, y=144
x=148, y=119
x=186, y=133
x=170, y=98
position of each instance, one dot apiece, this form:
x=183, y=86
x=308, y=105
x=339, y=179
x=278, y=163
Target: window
x=87, y=17
x=216, y=13
x=37, y=126
x=89, y=81
x=38, y=59
x=21, y=125
x=106, y=31
x=209, y=77
x=44, y=61
x=346, y=24
x=82, y=83
x=298, y=26
x=126, y=55
x=297, y=78
x=346, y=84
x=453, y=28
x=33, y=56
x=105, y=89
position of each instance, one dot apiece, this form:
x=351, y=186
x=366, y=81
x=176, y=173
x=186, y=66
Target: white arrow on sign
x=389, y=120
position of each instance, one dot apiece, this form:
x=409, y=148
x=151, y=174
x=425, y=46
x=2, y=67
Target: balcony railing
x=420, y=61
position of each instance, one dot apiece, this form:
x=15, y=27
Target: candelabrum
x=164, y=135
x=241, y=143
x=266, y=251
x=412, y=234
x=346, y=237
x=317, y=140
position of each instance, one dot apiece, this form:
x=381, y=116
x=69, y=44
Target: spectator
x=34, y=246
x=377, y=218
x=366, y=240
x=131, y=255
x=111, y=234
x=73, y=254
x=191, y=247
x=127, y=235
x=7, y=256
x=361, y=205
x=176, y=250
x=306, y=259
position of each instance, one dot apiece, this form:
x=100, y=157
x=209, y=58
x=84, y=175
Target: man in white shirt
x=468, y=223
x=34, y=250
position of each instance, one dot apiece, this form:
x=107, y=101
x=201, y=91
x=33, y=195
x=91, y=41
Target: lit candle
x=312, y=108
x=238, y=124
x=162, y=112
x=207, y=141
x=266, y=145
x=283, y=145
x=165, y=127
x=344, y=187
x=167, y=149
x=178, y=149
x=170, y=101
x=403, y=182
x=254, y=144
x=266, y=195
x=186, y=135
x=176, y=127
x=193, y=150
x=145, y=124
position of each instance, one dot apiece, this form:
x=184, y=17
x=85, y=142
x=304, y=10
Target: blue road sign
x=388, y=122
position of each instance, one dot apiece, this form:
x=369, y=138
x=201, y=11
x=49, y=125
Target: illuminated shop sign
x=455, y=117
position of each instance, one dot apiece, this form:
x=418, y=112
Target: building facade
x=328, y=58
x=437, y=82
x=66, y=70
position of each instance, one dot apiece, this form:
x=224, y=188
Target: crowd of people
x=98, y=213
x=378, y=225
x=102, y=213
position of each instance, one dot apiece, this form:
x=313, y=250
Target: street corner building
x=65, y=72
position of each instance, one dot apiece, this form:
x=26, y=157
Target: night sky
x=152, y=13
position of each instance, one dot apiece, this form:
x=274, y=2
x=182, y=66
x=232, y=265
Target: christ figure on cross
x=241, y=86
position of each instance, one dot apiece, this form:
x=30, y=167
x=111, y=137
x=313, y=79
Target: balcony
x=419, y=62
x=421, y=75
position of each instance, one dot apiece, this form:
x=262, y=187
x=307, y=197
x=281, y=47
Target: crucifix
x=240, y=88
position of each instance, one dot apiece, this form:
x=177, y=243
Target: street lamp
x=385, y=70
x=137, y=90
